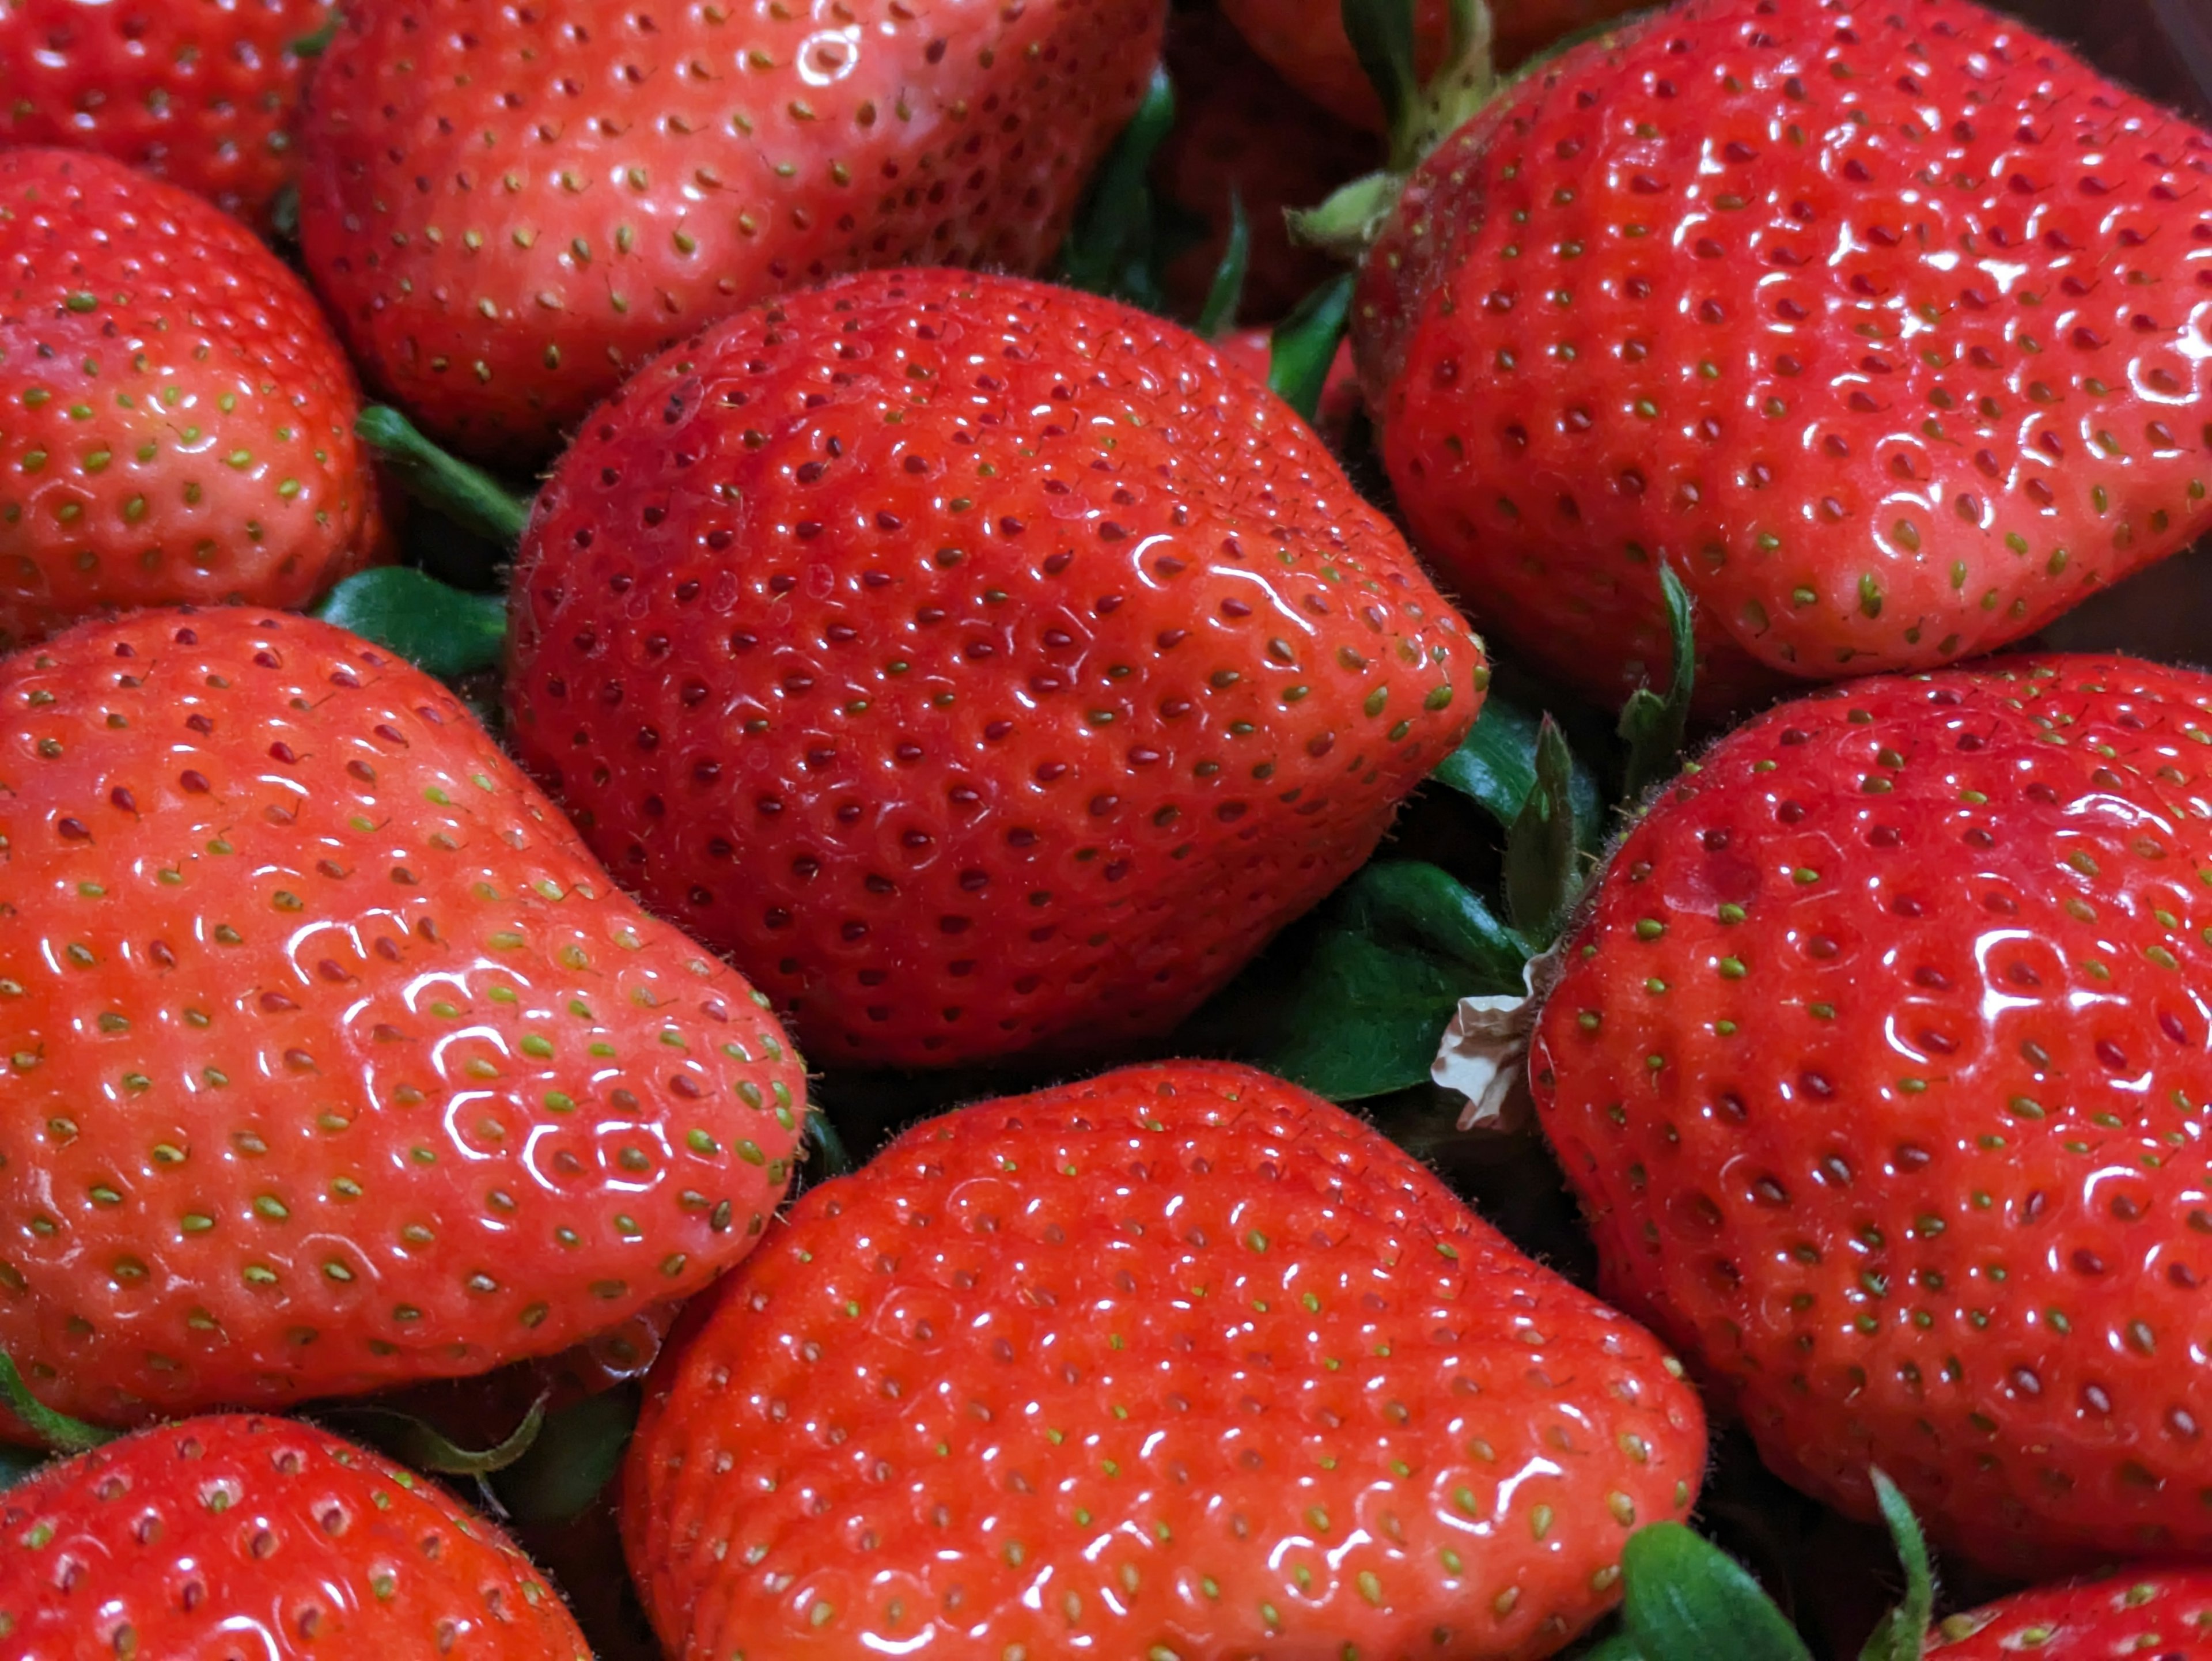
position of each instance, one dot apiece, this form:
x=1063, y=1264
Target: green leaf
x=315, y=44
x=56, y=1431
x=1382, y=36
x=1227, y=293
x=1495, y=767
x=1543, y=862
x=422, y=1446
x=440, y=630
x=825, y=1149
x=1112, y=248
x=467, y=495
x=1415, y=904
x=1654, y=726
x=1687, y=1600
x=1903, y=1634
x=574, y=1458
x=1619, y=1647
x=1305, y=343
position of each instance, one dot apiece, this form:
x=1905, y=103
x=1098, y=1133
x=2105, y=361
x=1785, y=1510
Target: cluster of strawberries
x=922, y=666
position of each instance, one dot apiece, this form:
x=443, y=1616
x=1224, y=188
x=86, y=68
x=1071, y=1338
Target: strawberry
x=1879, y=1060
x=1179, y=1360
x=1305, y=42
x=176, y=420
x=2160, y=1612
x=336, y=1061
x=1240, y=132
x=983, y=666
x=201, y=94
x=1881, y=324
x=1252, y=349
x=507, y=206
x=242, y=1536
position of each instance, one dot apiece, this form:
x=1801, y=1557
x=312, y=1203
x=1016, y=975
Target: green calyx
x=422, y=1446
x=466, y=495
x=58, y=1431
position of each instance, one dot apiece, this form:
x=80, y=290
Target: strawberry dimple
x=1180, y=1357
x=337, y=1060
x=1876, y=328
x=179, y=419
x=1878, y=1065
x=982, y=665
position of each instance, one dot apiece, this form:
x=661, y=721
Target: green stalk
x=56, y=1431
x=467, y=495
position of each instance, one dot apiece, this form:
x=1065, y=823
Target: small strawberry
x=1179, y=1360
x=1883, y=325
x=1879, y=1061
x=201, y=94
x=176, y=419
x=509, y=206
x=335, y=1062
x=1240, y=132
x=983, y=665
x=237, y=1535
x=2154, y=1613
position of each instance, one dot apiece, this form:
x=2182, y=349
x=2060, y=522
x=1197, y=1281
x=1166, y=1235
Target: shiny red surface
x=1178, y=1360
x=1881, y=1065
x=2157, y=1611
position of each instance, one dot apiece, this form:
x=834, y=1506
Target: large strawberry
x=1882, y=323
x=334, y=1061
x=510, y=206
x=1180, y=1360
x=237, y=1535
x=1880, y=1062
x=176, y=419
x=982, y=665
x=2157, y=1613
x=201, y=95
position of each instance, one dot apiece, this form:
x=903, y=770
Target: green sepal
x=1619, y=1647
x=1687, y=1600
x=574, y=1456
x=56, y=1431
x=826, y=1156
x=1112, y=248
x=1348, y=218
x=1495, y=767
x=1226, y=292
x=1382, y=36
x=464, y=493
x=1304, y=345
x=420, y=1446
x=440, y=629
x=1654, y=727
x=1543, y=855
x=315, y=44
x=1902, y=1634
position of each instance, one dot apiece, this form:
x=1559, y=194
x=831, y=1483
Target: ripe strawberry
x=202, y=95
x=982, y=664
x=1252, y=350
x=1305, y=41
x=1878, y=1061
x=336, y=1061
x=176, y=420
x=248, y=1535
x=2160, y=1614
x=509, y=206
x=1240, y=130
x=1877, y=323
x=1180, y=1360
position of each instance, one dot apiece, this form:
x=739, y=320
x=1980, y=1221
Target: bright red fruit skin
x=983, y=667
x=334, y=1060
x=2146, y=1613
x=178, y=417
x=1884, y=326
x=200, y=95
x=1881, y=1062
x=509, y=207
x=234, y=1535
x=1179, y=1359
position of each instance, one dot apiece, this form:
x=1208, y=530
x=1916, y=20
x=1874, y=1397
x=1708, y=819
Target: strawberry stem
x=56, y=1431
x=1654, y=726
x=468, y=495
x=416, y=1443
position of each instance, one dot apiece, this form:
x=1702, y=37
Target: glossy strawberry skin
x=334, y=1061
x=1876, y=324
x=1180, y=1358
x=1878, y=1063
x=202, y=95
x=242, y=1534
x=2161, y=1612
x=509, y=208
x=983, y=666
x=178, y=418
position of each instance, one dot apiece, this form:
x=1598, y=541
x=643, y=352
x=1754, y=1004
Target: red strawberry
x=983, y=665
x=1180, y=1360
x=1880, y=1062
x=1305, y=42
x=336, y=1059
x=1240, y=130
x=201, y=94
x=176, y=421
x=507, y=206
x=2157, y=1614
x=1252, y=349
x=235, y=1536
x=1883, y=325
